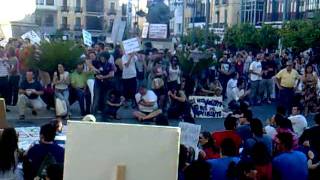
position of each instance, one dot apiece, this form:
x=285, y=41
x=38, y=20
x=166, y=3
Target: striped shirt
x=4, y=68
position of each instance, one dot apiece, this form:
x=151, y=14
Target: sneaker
x=34, y=112
x=22, y=117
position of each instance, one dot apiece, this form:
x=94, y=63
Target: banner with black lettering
x=207, y=107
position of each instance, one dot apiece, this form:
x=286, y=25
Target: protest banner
x=189, y=134
x=145, y=30
x=131, y=45
x=34, y=38
x=146, y=152
x=207, y=107
x=118, y=29
x=158, y=31
x=87, y=38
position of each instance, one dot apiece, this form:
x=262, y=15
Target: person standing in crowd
x=174, y=73
x=262, y=160
x=268, y=71
x=114, y=102
x=9, y=155
x=158, y=83
x=208, y=146
x=141, y=67
x=311, y=136
x=299, y=122
x=147, y=105
x=309, y=80
x=255, y=71
x=79, y=84
x=220, y=166
x=286, y=82
x=232, y=83
x=117, y=54
x=90, y=70
x=4, y=73
x=129, y=76
x=226, y=71
x=288, y=164
x=29, y=95
x=14, y=77
x=44, y=153
x=61, y=81
x=99, y=48
x=102, y=81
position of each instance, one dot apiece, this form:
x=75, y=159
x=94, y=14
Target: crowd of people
x=154, y=84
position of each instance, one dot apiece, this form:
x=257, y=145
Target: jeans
x=13, y=90
x=84, y=98
x=4, y=83
x=129, y=88
x=99, y=98
x=63, y=95
x=266, y=87
x=286, y=96
x=255, y=92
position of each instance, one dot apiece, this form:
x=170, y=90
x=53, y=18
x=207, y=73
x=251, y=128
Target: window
x=94, y=23
x=216, y=2
x=78, y=3
x=112, y=6
x=50, y=2
x=224, y=1
x=49, y=20
x=65, y=3
x=38, y=19
x=94, y=5
x=78, y=21
x=64, y=20
x=40, y=2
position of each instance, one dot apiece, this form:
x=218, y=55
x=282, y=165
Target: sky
x=14, y=10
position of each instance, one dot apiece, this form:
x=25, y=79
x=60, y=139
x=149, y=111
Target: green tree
x=199, y=37
x=48, y=55
x=241, y=36
x=267, y=37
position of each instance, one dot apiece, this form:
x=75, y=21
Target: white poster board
x=131, y=45
x=94, y=150
x=207, y=107
x=87, y=38
x=145, y=30
x=158, y=31
x=118, y=29
x=190, y=134
x=34, y=38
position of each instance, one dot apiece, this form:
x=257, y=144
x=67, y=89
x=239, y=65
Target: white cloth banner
x=34, y=38
x=131, y=45
x=207, y=107
x=158, y=31
x=87, y=38
x=145, y=30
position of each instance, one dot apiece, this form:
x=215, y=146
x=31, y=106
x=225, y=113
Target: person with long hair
x=14, y=77
x=310, y=81
x=208, y=146
x=8, y=154
x=61, y=82
x=174, y=73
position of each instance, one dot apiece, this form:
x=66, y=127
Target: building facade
x=253, y=11
x=176, y=7
x=285, y=10
x=225, y=13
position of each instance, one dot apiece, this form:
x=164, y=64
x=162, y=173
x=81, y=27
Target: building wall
x=225, y=12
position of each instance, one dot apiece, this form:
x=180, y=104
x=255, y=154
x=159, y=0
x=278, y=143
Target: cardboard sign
x=190, y=134
x=207, y=107
x=87, y=38
x=146, y=152
x=145, y=30
x=158, y=31
x=131, y=45
x=118, y=30
x=34, y=38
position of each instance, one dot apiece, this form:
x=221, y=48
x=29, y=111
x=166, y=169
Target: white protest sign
x=87, y=38
x=131, y=45
x=190, y=134
x=118, y=29
x=158, y=31
x=145, y=30
x=147, y=152
x=207, y=107
x=34, y=38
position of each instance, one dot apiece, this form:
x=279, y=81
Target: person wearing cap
x=286, y=82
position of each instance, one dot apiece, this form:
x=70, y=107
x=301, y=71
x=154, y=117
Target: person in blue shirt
x=220, y=167
x=288, y=164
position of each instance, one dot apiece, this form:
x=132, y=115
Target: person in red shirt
x=208, y=146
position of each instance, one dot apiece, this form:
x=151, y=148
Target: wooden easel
x=3, y=119
x=121, y=172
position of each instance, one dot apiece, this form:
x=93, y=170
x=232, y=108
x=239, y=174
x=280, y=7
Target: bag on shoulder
x=61, y=107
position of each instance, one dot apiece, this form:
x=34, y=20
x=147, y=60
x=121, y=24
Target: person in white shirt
x=232, y=83
x=129, y=75
x=255, y=71
x=147, y=105
x=299, y=122
x=238, y=94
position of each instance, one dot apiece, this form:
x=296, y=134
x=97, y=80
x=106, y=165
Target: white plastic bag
x=61, y=107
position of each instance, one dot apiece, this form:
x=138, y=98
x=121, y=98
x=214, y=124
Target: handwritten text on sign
x=131, y=45
x=189, y=134
x=158, y=31
x=206, y=107
x=87, y=38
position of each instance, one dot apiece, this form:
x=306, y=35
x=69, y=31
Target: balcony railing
x=77, y=27
x=64, y=8
x=65, y=27
x=78, y=10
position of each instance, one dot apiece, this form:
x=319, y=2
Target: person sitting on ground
x=9, y=154
x=147, y=105
x=285, y=126
x=114, y=102
x=230, y=125
x=29, y=95
x=219, y=167
x=238, y=94
x=288, y=164
x=208, y=146
x=299, y=122
x=39, y=156
x=178, y=104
